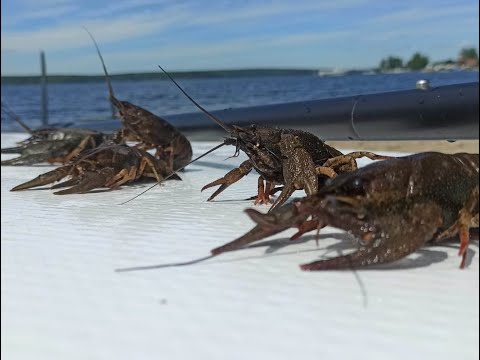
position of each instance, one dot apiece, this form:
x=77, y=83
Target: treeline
x=418, y=61
x=156, y=75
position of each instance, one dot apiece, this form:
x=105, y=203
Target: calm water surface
x=79, y=102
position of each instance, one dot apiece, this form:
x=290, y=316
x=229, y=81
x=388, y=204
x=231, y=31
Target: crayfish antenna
x=113, y=99
x=161, y=266
x=224, y=126
x=9, y=112
x=175, y=172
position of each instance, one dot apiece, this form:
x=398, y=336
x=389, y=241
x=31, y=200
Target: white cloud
x=195, y=51
x=273, y=9
x=73, y=36
x=424, y=14
x=121, y=6
x=38, y=10
x=128, y=23
x=69, y=35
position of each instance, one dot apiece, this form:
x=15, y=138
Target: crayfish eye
x=355, y=187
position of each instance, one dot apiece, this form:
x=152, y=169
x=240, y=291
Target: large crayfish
x=293, y=158
x=392, y=207
x=109, y=165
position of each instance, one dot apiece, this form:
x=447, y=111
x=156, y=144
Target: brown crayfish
x=392, y=207
x=148, y=129
x=293, y=158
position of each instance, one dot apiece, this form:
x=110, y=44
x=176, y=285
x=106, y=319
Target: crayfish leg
x=263, y=196
x=464, y=223
x=464, y=234
x=87, y=141
x=122, y=177
x=347, y=162
x=466, y=219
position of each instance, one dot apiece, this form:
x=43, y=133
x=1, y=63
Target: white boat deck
x=61, y=298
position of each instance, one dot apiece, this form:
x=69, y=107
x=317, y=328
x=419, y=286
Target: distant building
x=468, y=58
x=467, y=62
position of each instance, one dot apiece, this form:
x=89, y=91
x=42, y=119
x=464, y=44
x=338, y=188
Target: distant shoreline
x=58, y=79
x=13, y=80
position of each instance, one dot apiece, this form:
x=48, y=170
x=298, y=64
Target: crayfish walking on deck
x=293, y=158
x=392, y=207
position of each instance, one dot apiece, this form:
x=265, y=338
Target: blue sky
x=135, y=36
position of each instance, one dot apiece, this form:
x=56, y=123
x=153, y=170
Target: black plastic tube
x=441, y=113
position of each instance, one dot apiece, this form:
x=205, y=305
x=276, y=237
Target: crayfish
x=392, y=207
x=293, y=158
x=53, y=145
x=147, y=129
x=109, y=165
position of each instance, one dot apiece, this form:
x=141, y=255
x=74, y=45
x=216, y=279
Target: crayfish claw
x=89, y=180
x=44, y=179
x=12, y=150
x=66, y=183
x=230, y=178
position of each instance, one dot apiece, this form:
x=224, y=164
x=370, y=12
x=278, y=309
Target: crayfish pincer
x=392, y=207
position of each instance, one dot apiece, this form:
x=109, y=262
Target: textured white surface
x=61, y=298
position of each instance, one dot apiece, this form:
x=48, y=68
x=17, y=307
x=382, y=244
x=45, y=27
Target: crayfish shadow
x=424, y=257
x=189, y=170
x=278, y=244
x=214, y=165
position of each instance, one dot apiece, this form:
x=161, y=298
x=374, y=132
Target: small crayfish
x=392, y=207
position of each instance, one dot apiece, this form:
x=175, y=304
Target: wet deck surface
x=62, y=299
